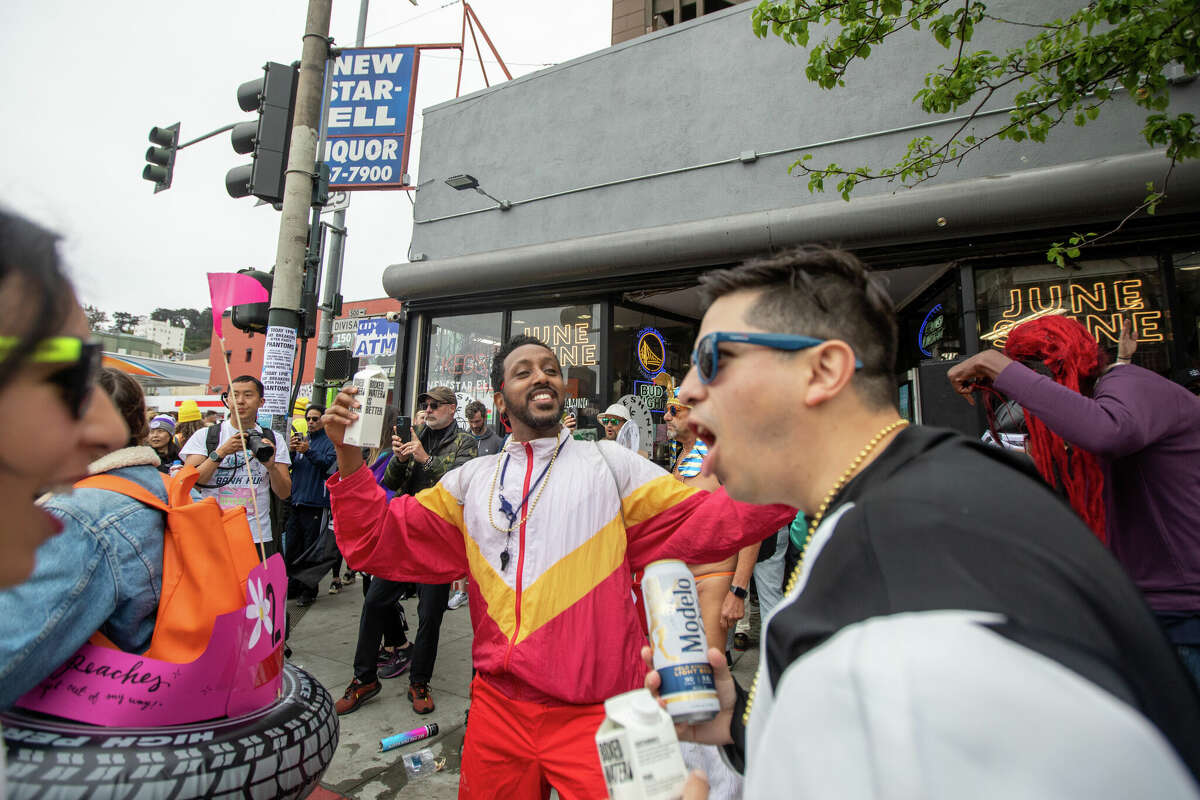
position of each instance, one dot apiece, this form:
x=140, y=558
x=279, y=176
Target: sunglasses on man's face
x=706, y=358
x=81, y=364
x=429, y=405
x=610, y=420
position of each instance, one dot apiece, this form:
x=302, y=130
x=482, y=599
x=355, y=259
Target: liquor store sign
x=370, y=101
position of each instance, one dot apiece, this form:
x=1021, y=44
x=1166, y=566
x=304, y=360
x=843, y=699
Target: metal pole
x=298, y=183
x=284, y=315
x=333, y=273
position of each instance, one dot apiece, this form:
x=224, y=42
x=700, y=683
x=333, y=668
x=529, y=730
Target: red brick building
x=244, y=351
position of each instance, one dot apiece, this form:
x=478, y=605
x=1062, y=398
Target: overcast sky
x=85, y=82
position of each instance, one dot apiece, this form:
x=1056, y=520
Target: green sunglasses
x=81, y=362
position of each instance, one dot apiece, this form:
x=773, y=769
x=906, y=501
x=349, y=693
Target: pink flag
x=232, y=289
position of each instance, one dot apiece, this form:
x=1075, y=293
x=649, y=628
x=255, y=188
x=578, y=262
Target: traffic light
x=266, y=139
x=161, y=156
x=252, y=317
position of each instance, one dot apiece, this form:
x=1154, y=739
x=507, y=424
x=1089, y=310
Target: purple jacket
x=1146, y=432
x=379, y=467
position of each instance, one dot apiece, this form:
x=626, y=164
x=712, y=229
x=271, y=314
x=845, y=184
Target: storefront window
x=1187, y=327
x=460, y=356
x=1097, y=293
x=644, y=345
x=931, y=328
x=573, y=333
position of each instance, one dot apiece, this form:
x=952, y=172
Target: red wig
x=1075, y=360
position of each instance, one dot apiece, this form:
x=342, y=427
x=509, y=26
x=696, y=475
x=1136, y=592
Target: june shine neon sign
x=1099, y=305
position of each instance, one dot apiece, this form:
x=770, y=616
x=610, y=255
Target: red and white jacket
x=559, y=624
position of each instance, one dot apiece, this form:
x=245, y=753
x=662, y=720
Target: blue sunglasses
x=706, y=359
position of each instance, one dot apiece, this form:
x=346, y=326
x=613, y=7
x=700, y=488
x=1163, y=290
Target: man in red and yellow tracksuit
x=550, y=530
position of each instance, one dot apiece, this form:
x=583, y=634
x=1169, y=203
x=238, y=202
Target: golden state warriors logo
x=651, y=352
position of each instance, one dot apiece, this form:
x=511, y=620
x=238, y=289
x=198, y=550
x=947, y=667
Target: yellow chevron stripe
x=439, y=501
x=654, y=497
x=572, y=577
x=500, y=598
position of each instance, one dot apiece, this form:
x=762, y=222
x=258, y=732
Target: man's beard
x=538, y=422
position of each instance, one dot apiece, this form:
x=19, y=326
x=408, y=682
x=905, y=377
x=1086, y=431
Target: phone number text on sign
x=360, y=174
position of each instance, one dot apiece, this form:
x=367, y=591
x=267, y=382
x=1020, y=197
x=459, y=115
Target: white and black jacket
x=958, y=632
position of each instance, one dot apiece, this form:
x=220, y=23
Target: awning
x=157, y=371
x=1086, y=192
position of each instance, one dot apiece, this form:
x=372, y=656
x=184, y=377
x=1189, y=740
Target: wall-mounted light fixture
x=461, y=182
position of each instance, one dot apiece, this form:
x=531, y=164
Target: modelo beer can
x=678, y=643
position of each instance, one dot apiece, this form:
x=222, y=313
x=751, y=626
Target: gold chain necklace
x=492, y=493
x=812, y=528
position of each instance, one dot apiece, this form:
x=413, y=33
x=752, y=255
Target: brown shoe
x=357, y=694
x=422, y=700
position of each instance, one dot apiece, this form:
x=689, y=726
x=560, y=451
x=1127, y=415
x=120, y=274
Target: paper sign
x=278, y=357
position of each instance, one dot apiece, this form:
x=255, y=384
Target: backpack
x=208, y=553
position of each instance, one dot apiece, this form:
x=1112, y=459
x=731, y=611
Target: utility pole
x=333, y=274
x=297, y=200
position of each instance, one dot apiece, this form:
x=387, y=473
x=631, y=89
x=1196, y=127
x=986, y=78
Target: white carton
x=638, y=750
x=367, y=430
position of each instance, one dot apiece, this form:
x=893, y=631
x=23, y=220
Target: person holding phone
x=313, y=459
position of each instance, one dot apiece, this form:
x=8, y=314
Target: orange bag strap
x=123, y=486
x=178, y=488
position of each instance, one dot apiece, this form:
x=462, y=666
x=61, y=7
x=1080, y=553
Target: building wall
x=166, y=334
x=700, y=93
x=246, y=349
x=128, y=344
x=629, y=20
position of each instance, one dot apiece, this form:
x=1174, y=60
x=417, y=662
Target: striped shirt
x=689, y=467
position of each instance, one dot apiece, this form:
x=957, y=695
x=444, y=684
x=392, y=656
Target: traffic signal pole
x=298, y=182
x=333, y=274
x=283, y=319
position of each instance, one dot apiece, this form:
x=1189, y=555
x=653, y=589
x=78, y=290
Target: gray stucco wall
x=702, y=92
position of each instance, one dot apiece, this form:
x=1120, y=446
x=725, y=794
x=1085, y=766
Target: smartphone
x=403, y=428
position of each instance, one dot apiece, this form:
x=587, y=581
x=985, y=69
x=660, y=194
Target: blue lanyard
x=506, y=507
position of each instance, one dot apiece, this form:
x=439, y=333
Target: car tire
x=279, y=751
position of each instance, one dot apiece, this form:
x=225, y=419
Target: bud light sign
x=369, y=100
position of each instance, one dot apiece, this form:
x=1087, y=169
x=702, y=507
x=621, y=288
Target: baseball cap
x=442, y=394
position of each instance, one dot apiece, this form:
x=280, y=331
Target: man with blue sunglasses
x=952, y=629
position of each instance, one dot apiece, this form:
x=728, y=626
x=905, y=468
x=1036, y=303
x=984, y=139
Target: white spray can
x=638, y=750
x=366, y=431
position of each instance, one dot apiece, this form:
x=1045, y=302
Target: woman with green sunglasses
x=56, y=424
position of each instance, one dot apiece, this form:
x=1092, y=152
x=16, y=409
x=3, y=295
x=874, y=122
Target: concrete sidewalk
x=322, y=641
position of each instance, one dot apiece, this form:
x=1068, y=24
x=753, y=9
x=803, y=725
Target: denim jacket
x=103, y=572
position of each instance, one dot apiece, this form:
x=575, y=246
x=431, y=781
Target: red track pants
x=517, y=751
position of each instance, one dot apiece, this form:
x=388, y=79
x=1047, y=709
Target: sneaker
x=348, y=578
x=422, y=699
x=356, y=694
x=306, y=600
x=741, y=641
x=335, y=587
x=456, y=600
x=396, y=663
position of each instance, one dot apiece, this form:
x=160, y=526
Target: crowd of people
x=941, y=617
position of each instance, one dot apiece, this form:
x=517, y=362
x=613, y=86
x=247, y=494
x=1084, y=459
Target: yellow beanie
x=189, y=411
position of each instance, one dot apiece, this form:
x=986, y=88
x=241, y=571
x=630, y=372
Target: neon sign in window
x=1099, y=305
